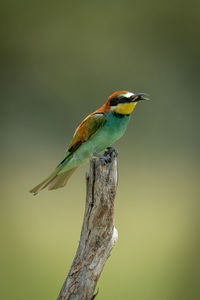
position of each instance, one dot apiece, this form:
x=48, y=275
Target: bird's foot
x=95, y=154
x=104, y=157
x=110, y=150
x=108, y=154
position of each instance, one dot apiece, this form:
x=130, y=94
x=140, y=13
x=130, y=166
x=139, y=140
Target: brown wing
x=86, y=129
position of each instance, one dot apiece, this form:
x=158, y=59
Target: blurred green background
x=59, y=61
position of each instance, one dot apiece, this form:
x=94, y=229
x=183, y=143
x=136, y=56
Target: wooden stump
x=98, y=234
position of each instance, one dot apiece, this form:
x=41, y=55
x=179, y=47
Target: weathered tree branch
x=98, y=235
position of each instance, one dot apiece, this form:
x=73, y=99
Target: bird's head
x=124, y=102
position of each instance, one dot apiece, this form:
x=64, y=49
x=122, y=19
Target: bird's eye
x=122, y=99
x=118, y=100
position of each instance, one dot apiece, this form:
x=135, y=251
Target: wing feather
x=86, y=130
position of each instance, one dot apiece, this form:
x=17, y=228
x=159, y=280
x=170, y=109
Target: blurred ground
x=60, y=61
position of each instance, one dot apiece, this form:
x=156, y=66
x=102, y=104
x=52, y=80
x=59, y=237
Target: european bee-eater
x=97, y=132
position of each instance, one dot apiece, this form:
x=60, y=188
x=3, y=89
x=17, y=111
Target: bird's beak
x=139, y=97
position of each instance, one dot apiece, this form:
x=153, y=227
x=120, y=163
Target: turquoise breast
x=112, y=130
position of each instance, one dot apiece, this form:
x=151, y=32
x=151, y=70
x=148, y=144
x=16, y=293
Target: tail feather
x=60, y=180
x=54, y=181
x=43, y=184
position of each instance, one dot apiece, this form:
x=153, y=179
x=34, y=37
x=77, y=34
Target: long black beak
x=139, y=97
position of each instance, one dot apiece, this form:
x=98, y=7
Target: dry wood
x=98, y=235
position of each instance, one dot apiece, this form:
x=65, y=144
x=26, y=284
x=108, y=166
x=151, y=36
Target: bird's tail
x=54, y=181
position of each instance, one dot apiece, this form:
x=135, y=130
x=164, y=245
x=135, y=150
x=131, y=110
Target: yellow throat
x=125, y=109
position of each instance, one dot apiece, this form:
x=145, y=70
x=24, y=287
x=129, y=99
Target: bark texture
x=98, y=235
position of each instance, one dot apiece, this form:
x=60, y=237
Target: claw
x=106, y=158
x=110, y=150
x=108, y=154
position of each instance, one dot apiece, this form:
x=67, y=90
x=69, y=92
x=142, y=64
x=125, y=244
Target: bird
x=97, y=132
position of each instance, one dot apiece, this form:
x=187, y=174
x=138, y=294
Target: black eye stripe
x=123, y=100
x=117, y=100
x=113, y=102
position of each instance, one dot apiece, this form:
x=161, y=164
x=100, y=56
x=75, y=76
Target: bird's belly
x=104, y=139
